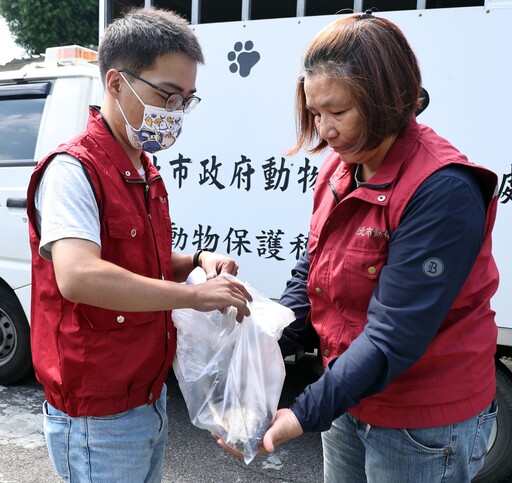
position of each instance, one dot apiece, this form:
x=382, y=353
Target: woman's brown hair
x=371, y=58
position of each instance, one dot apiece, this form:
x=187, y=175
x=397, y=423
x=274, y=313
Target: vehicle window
x=20, y=118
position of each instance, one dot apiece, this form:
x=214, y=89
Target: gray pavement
x=192, y=454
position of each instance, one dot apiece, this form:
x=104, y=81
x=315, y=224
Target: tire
x=15, y=353
x=498, y=462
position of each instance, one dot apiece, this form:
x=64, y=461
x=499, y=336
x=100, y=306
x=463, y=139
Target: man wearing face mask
x=104, y=276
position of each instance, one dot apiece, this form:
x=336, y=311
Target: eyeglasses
x=175, y=100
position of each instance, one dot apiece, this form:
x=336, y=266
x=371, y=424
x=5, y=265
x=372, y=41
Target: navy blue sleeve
x=442, y=226
x=295, y=297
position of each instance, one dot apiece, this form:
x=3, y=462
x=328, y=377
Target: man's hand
x=221, y=293
x=214, y=264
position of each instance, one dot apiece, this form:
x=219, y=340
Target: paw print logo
x=242, y=58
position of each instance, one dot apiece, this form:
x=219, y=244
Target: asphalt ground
x=192, y=455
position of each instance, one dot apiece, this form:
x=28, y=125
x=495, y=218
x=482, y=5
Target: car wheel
x=15, y=354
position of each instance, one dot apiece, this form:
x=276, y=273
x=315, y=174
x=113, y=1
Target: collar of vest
x=388, y=172
x=99, y=129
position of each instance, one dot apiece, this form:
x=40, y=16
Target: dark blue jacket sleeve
x=295, y=297
x=444, y=219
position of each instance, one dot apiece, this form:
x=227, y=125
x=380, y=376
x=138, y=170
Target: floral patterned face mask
x=159, y=128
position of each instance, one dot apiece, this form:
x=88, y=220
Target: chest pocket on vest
x=361, y=271
x=126, y=227
x=125, y=245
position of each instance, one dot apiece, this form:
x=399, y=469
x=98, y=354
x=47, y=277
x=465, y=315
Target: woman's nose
x=326, y=129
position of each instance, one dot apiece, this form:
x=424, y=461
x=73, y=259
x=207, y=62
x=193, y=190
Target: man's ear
x=113, y=81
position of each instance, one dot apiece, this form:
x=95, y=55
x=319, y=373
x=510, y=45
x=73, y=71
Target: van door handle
x=16, y=202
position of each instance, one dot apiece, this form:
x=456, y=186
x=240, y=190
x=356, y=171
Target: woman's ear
x=113, y=82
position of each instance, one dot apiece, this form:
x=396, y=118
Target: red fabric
x=348, y=247
x=93, y=361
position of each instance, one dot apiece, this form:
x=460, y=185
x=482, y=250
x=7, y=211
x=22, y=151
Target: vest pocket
x=126, y=227
x=104, y=319
x=126, y=243
x=361, y=271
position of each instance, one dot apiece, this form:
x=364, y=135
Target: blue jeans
x=355, y=452
x=127, y=447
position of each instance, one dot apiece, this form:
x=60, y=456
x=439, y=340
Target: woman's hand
x=227, y=448
x=285, y=427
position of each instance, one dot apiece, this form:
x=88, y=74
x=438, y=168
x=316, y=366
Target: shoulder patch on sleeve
x=433, y=267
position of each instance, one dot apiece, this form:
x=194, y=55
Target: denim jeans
x=355, y=452
x=127, y=447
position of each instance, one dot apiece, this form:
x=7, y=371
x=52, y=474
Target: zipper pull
x=146, y=191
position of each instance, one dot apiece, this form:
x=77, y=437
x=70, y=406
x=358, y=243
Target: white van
x=231, y=188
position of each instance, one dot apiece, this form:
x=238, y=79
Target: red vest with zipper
x=348, y=246
x=93, y=361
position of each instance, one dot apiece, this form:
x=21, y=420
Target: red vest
x=455, y=378
x=93, y=361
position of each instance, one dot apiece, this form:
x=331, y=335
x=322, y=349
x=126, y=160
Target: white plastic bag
x=231, y=375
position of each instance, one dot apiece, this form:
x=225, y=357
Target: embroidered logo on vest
x=368, y=232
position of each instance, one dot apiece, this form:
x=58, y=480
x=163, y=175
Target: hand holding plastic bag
x=231, y=375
